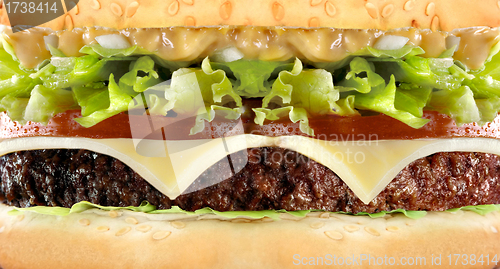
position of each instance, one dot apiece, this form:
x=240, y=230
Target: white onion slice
x=452, y=41
x=113, y=41
x=227, y=55
x=391, y=42
x=441, y=63
x=52, y=40
x=65, y=62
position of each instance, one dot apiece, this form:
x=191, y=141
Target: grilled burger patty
x=273, y=178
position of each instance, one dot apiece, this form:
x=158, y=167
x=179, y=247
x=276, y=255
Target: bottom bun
x=124, y=239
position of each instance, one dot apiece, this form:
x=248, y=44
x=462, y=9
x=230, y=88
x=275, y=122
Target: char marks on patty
x=273, y=178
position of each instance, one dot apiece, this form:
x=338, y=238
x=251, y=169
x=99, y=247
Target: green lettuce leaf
x=424, y=72
x=370, y=52
x=91, y=99
x=15, y=80
x=146, y=207
x=252, y=76
x=382, y=99
x=79, y=71
x=99, y=51
x=14, y=106
x=371, y=92
x=118, y=102
x=200, y=93
x=133, y=82
x=458, y=103
x=300, y=93
x=45, y=103
x=355, y=82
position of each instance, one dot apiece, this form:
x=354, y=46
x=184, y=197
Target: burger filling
x=273, y=179
x=104, y=72
x=410, y=76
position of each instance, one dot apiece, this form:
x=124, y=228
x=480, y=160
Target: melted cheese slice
x=367, y=167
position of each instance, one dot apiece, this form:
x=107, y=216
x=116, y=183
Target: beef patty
x=272, y=178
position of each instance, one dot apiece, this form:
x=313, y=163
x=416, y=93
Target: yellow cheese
x=367, y=167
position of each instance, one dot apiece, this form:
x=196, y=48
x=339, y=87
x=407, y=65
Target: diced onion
x=113, y=41
x=441, y=63
x=227, y=55
x=452, y=41
x=52, y=40
x=391, y=42
x=62, y=61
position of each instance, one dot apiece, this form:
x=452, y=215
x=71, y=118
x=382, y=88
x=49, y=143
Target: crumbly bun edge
x=357, y=14
x=124, y=239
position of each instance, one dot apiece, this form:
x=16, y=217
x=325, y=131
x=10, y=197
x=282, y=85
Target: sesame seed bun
x=123, y=239
x=357, y=14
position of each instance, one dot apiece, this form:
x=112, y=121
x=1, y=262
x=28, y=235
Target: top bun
x=443, y=15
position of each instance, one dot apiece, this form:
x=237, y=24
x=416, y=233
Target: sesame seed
x=317, y=225
x=190, y=21
x=351, y=228
x=132, y=9
x=392, y=229
x=324, y=215
x=173, y=8
x=278, y=11
x=84, y=222
x=372, y=10
x=334, y=235
x=315, y=2
x=113, y=214
x=330, y=9
x=20, y=217
x=161, y=235
x=239, y=220
x=178, y=224
x=103, y=228
x=131, y=220
x=116, y=9
x=69, y=22
x=387, y=11
x=429, y=10
x=372, y=231
x=143, y=228
x=435, y=23
x=313, y=22
x=494, y=230
x=409, y=5
x=225, y=10
x=95, y=4
x=123, y=231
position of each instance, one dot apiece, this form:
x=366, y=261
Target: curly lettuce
x=146, y=207
x=301, y=93
x=199, y=93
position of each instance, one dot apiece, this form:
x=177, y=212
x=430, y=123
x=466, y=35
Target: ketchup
x=376, y=127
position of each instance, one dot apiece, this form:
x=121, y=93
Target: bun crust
x=123, y=239
x=359, y=14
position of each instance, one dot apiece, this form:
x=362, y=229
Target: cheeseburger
x=262, y=134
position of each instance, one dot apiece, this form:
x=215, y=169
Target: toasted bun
x=123, y=239
x=360, y=14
